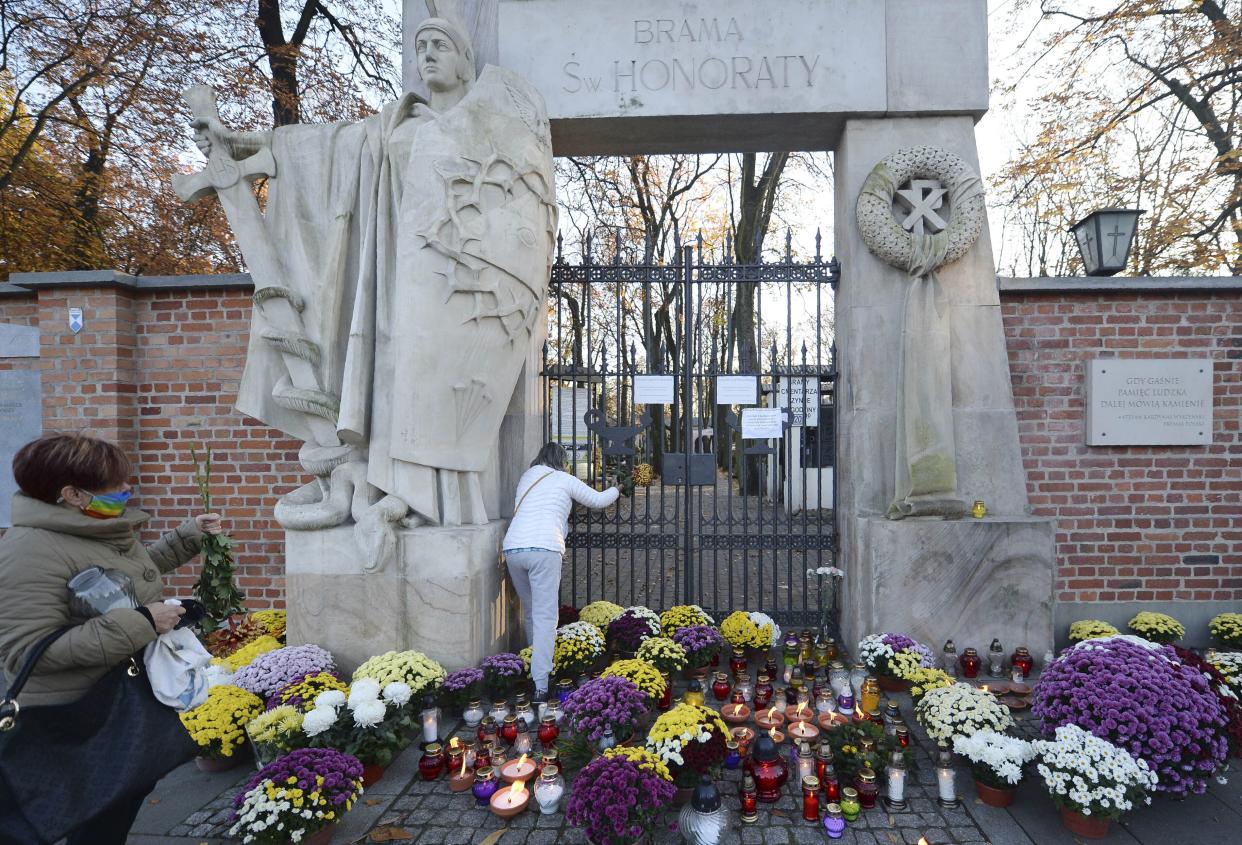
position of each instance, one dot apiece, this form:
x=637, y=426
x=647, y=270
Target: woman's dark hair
x=551, y=455
x=42, y=467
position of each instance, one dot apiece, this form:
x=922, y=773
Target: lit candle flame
x=463, y=767
x=984, y=688
x=521, y=761
x=772, y=733
x=858, y=713
x=923, y=841
x=518, y=788
x=770, y=712
x=453, y=743
x=801, y=709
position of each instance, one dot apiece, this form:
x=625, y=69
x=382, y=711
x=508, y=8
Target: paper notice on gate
x=763, y=423
x=653, y=390
x=737, y=390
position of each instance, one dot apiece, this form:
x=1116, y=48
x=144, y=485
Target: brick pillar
x=90, y=378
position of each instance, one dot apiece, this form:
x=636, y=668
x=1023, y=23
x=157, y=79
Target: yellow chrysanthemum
x=740, y=632
x=644, y=474
x=1089, y=629
x=683, y=616
x=923, y=680
x=643, y=758
x=218, y=725
x=662, y=653
x=247, y=653
x=642, y=674
x=1157, y=627
x=414, y=668
x=275, y=725
x=1227, y=629
x=273, y=621
x=308, y=689
x=600, y=613
x=527, y=655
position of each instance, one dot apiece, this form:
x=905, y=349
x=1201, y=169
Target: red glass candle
x=487, y=731
x=830, y=784
x=548, y=731
x=903, y=736
x=666, y=700
x=770, y=667
x=750, y=799
x=763, y=692
x=969, y=661
x=770, y=769
x=721, y=686
x=431, y=764
x=715, y=660
x=737, y=662
x=455, y=758
x=481, y=759
x=509, y=730
x=868, y=788
x=810, y=798
x=1022, y=659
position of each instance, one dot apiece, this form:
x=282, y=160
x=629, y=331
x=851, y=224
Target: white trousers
x=537, y=578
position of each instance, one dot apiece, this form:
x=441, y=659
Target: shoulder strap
x=28, y=665
x=528, y=489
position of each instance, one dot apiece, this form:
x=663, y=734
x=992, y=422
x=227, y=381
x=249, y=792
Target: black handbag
x=62, y=765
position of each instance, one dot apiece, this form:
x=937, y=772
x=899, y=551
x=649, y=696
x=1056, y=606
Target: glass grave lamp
x=1104, y=239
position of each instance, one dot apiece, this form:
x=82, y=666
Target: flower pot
x=217, y=764
x=697, y=673
x=993, y=796
x=320, y=837
x=1088, y=827
x=683, y=796
x=890, y=684
x=372, y=774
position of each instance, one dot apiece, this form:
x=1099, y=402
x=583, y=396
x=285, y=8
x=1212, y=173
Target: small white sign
x=763, y=423
x=804, y=409
x=653, y=390
x=1149, y=402
x=75, y=320
x=737, y=390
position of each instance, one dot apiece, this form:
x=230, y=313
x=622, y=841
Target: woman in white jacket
x=534, y=545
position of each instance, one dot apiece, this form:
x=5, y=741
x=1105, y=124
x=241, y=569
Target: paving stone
x=407, y=802
x=752, y=835
x=198, y=818
x=543, y=837
x=808, y=834
x=965, y=834
x=776, y=836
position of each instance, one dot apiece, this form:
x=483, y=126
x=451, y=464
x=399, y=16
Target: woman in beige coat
x=70, y=515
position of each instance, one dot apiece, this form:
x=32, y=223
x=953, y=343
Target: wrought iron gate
x=726, y=522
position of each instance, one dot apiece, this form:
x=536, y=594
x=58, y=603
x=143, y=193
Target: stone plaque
x=1149, y=402
x=17, y=341
x=21, y=420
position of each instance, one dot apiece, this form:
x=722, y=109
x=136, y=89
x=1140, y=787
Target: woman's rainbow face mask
x=107, y=505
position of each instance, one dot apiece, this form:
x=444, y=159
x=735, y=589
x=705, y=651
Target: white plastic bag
x=177, y=668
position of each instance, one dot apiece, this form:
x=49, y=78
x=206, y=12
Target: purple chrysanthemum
x=341, y=773
x=610, y=701
x=271, y=672
x=701, y=642
x=616, y=801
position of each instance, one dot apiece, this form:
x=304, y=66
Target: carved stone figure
x=400, y=266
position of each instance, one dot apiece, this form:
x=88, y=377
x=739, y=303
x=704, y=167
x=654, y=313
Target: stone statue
x=400, y=269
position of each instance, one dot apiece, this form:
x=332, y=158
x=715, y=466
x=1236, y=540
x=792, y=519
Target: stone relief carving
x=921, y=179
x=400, y=268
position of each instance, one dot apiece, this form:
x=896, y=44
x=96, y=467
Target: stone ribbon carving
x=926, y=465
x=400, y=268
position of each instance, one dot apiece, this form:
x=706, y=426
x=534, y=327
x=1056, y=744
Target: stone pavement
x=192, y=808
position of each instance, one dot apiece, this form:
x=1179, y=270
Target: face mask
x=107, y=505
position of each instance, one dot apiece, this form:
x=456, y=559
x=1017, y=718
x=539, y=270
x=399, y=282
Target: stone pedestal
x=442, y=595
x=969, y=580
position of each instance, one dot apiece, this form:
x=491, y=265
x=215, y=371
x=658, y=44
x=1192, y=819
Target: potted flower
x=664, y=654
x=275, y=732
x=960, y=710
x=1091, y=780
x=606, y=705
x=368, y=725
x=741, y=631
x=272, y=621
x=600, y=614
x=218, y=726
x=1157, y=627
x=923, y=680
x=462, y=687
x=683, y=616
x=297, y=798
x=996, y=763
x=690, y=740
x=501, y=673
x=274, y=670
x=640, y=673
x=303, y=692
x=1229, y=664
x=701, y=643
x=578, y=646
x=627, y=632
x=412, y=668
x=249, y=651
x=1224, y=693
x=889, y=657
x=1226, y=629
x=1140, y=697
x=565, y=614
x=1089, y=629
x=852, y=755
x=224, y=641
x=619, y=797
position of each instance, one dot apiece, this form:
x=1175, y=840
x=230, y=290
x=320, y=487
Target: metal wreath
x=885, y=236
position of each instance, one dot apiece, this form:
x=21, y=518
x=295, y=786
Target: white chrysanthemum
x=330, y=698
x=369, y=713
x=363, y=690
x=398, y=693
x=318, y=720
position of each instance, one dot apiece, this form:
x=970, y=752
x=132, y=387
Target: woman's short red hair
x=42, y=467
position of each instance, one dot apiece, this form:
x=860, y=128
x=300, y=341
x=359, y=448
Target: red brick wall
x=158, y=372
x=1134, y=523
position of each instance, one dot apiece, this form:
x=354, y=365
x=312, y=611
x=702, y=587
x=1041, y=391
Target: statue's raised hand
x=211, y=134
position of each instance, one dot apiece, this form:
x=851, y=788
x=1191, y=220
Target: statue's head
x=445, y=54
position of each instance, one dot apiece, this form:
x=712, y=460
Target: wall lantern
x=1104, y=239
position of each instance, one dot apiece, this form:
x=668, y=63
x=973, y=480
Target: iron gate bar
x=675, y=530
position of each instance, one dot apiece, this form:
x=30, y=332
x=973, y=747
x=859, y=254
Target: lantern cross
x=1118, y=236
x=922, y=199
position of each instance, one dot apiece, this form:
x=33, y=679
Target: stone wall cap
x=1119, y=284
x=26, y=282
